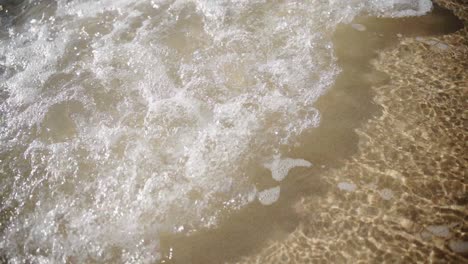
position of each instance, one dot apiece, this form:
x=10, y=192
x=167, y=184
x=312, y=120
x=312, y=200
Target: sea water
x=121, y=120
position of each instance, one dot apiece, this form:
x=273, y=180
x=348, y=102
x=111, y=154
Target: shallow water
x=345, y=107
x=143, y=131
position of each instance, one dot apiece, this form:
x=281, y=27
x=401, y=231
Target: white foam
x=269, y=196
x=400, y=8
x=280, y=167
x=359, y=27
x=347, y=186
x=128, y=118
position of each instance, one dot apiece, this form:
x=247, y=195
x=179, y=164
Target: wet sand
x=402, y=198
x=388, y=182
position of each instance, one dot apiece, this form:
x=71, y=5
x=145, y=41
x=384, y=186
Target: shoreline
x=259, y=234
x=402, y=196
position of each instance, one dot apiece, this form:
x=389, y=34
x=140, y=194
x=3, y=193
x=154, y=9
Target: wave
x=125, y=119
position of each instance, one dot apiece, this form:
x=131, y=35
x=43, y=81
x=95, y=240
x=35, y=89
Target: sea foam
x=124, y=119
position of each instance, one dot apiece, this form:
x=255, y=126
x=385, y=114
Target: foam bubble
x=269, y=196
x=359, y=27
x=440, y=230
x=347, y=186
x=280, y=167
x=386, y=194
x=459, y=246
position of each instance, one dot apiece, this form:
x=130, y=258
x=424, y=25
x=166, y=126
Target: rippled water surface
x=128, y=123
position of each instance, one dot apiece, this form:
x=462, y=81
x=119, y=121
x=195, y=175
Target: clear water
x=122, y=121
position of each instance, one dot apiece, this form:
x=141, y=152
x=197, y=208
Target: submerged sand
x=402, y=197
